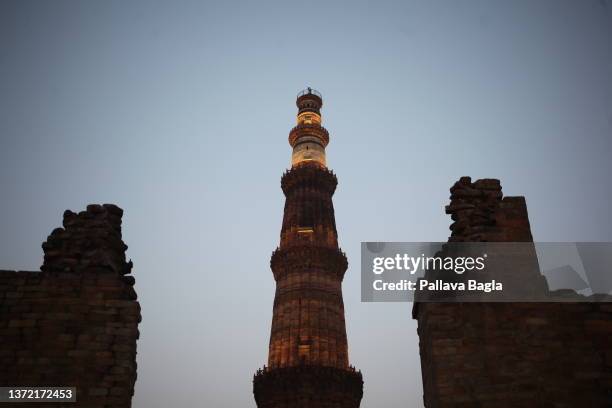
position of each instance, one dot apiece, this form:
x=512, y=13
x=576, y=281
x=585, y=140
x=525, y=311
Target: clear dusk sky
x=179, y=111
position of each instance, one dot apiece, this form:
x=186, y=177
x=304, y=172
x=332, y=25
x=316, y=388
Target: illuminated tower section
x=308, y=353
x=309, y=138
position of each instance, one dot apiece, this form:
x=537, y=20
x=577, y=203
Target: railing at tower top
x=310, y=91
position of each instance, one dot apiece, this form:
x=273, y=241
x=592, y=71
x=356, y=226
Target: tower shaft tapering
x=308, y=353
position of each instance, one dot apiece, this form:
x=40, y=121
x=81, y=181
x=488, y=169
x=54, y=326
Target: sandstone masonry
x=74, y=323
x=510, y=354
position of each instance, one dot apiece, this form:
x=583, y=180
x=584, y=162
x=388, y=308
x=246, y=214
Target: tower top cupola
x=309, y=103
x=309, y=100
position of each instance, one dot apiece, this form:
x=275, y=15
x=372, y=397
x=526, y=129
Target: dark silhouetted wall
x=75, y=323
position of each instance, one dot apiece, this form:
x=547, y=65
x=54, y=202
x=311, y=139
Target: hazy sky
x=179, y=113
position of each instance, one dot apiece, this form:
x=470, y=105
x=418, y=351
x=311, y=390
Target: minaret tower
x=308, y=356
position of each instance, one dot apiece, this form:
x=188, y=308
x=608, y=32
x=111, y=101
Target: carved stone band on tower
x=308, y=365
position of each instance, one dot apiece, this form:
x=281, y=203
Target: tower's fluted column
x=308, y=354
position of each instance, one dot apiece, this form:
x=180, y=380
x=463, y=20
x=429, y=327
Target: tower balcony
x=306, y=257
x=308, y=176
x=315, y=131
x=308, y=386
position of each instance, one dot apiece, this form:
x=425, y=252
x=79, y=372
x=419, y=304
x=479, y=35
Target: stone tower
x=308, y=354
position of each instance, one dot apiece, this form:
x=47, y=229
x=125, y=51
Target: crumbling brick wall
x=74, y=323
x=510, y=354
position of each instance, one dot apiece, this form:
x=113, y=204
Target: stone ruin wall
x=510, y=354
x=74, y=323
